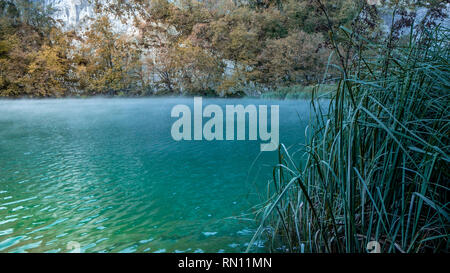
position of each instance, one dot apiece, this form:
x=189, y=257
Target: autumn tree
x=34, y=57
x=48, y=73
x=191, y=46
x=108, y=62
x=299, y=58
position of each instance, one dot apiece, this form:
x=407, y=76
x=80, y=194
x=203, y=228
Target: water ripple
x=106, y=174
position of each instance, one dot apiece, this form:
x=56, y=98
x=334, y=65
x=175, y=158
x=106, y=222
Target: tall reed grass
x=375, y=164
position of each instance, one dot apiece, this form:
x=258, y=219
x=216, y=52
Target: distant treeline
x=225, y=48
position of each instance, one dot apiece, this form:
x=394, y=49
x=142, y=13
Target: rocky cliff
x=71, y=12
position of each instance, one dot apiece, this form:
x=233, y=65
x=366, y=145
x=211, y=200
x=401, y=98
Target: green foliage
x=296, y=92
x=300, y=57
x=375, y=163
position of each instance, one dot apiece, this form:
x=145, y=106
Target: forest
x=187, y=47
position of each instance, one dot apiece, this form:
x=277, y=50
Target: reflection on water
x=105, y=173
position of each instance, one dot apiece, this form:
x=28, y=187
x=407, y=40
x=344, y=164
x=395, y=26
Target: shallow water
x=107, y=175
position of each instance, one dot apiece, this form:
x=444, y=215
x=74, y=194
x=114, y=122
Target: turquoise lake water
x=107, y=175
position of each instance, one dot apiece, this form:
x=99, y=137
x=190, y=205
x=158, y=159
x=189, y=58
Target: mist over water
x=107, y=174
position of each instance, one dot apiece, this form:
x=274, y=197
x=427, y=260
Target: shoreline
x=151, y=97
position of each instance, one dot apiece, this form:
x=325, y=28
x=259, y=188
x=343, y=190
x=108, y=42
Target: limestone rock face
x=71, y=12
x=74, y=14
